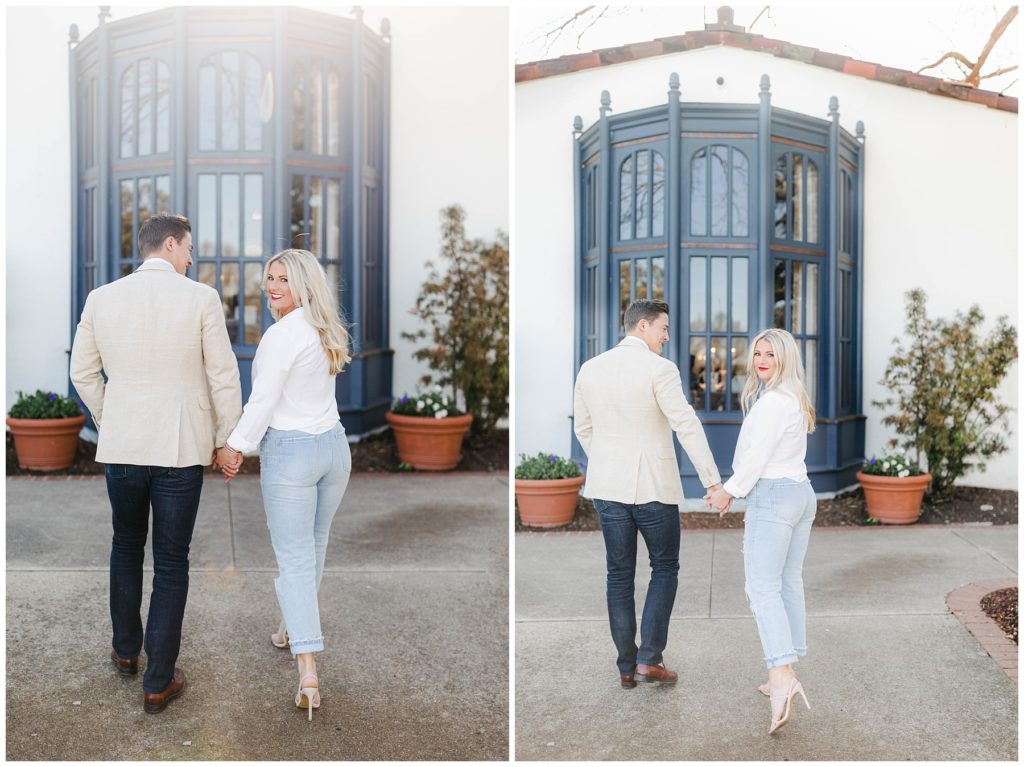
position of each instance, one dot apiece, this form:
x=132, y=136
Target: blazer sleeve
x=86, y=364
x=581, y=421
x=221, y=370
x=668, y=391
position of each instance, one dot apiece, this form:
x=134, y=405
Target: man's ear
x=168, y=237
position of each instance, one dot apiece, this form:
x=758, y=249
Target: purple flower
x=552, y=459
x=52, y=396
x=405, y=399
x=872, y=461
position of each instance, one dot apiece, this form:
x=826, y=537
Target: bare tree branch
x=767, y=9
x=1004, y=22
x=971, y=70
x=593, y=21
x=950, y=55
x=998, y=72
x=1004, y=90
x=552, y=35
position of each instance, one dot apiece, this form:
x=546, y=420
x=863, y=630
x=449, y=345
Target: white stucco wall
x=940, y=213
x=449, y=144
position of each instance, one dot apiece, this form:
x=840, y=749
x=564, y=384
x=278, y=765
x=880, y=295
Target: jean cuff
x=781, y=660
x=306, y=645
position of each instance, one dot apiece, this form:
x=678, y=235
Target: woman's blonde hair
x=789, y=373
x=310, y=290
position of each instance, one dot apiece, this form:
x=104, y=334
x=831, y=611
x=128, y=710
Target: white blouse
x=772, y=443
x=292, y=388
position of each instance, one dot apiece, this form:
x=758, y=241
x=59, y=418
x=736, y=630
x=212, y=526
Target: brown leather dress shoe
x=125, y=665
x=627, y=681
x=659, y=673
x=154, y=703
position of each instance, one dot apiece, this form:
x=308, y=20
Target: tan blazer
x=627, y=403
x=172, y=390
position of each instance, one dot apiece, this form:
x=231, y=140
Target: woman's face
x=764, y=360
x=278, y=290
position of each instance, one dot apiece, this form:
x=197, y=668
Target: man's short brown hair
x=643, y=309
x=158, y=228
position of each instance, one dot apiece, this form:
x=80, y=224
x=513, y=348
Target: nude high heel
x=790, y=690
x=280, y=639
x=308, y=697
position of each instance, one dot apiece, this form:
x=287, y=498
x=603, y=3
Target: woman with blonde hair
x=769, y=470
x=305, y=461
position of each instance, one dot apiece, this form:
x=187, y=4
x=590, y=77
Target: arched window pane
x=643, y=200
x=333, y=113
x=316, y=215
x=253, y=303
x=625, y=291
x=798, y=197
x=145, y=200
x=299, y=225
x=740, y=310
x=717, y=372
x=316, y=114
x=658, y=278
x=658, y=225
x=779, y=314
x=253, y=215
x=230, y=100
x=698, y=194
x=811, y=370
x=127, y=227
x=229, y=224
x=128, y=112
x=207, y=275
x=299, y=107
x=812, y=299
x=626, y=199
x=739, y=353
x=163, y=107
x=796, y=298
x=146, y=98
x=719, y=191
x=333, y=219
x=253, y=124
x=641, y=279
x=163, y=194
x=206, y=223
x=208, y=107
x=781, y=217
x=740, y=194
x=229, y=298
x=812, y=202
x=698, y=365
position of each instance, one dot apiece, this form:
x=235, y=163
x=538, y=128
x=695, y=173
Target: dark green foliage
x=44, y=404
x=466, y=309
x=942, y=387
x=546, y=466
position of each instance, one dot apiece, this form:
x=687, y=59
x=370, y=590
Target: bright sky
x=893, y=34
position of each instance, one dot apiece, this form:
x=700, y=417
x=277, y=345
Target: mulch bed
x=962, y=505
x=1001, y=606
x=376, y=453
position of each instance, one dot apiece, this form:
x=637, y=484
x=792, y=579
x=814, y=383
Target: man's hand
x=718, y=499
x=228, y=461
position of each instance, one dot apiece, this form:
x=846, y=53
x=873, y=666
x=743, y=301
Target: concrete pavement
x=890, y=673
x=414, y=606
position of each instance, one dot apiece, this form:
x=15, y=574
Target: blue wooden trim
x=858, y=342
x=106, y=137
x=673, y=201
x=579, y=245
x=383, y=270
x=829, y=350
x=76, y=189
x=606, y=322
x=763, y=307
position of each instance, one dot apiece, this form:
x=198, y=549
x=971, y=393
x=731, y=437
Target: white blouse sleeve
x=273, y=362
x=759, y=438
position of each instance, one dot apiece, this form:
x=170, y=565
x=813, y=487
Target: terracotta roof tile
x=705, y=38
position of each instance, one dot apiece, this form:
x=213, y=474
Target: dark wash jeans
x=174, y=495
x=658, y=523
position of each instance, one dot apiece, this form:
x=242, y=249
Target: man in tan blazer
x=628, y=402
x=171, y=396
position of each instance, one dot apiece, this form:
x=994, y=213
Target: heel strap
x=310, y=675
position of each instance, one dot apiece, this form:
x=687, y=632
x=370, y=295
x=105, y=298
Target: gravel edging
x=965, y=604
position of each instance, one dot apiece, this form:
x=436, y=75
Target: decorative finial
x=577, y=124
x=357, y=11
x=860, y=129
x=673, y=81
x=385, y=28
x=766, y=83
x=606, y=100
x=73, y=33
x=104, y=13
x=833, y=106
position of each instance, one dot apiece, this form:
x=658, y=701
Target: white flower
x=419, y=404
x=885, y=465
x=436, y=405
x=441, y=414
x=904, y=473
x=437, y=387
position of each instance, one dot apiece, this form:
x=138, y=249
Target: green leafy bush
x=44, y=404
x=546, y=466
x=892, y=465
x=942, y=386
x=466, y=309
x=430, y=404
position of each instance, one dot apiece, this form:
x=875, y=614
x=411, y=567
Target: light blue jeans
x=303, y=478
x=776, y=531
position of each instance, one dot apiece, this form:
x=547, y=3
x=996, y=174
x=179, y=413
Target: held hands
x=228, y=461
x=719, y=499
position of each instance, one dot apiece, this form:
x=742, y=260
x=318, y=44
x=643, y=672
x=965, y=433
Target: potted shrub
x=45, y=427
x=546, y=490
x=428, y=430
x=893, y=488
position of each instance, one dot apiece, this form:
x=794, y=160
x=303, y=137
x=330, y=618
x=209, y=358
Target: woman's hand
x=719, y=499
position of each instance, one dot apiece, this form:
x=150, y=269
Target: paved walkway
x=414, y=605
x=891, y=674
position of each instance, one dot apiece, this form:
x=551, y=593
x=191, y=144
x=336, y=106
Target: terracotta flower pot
x=894, y=500
x=547, y=502
x=430, y=444
x=46, y=444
